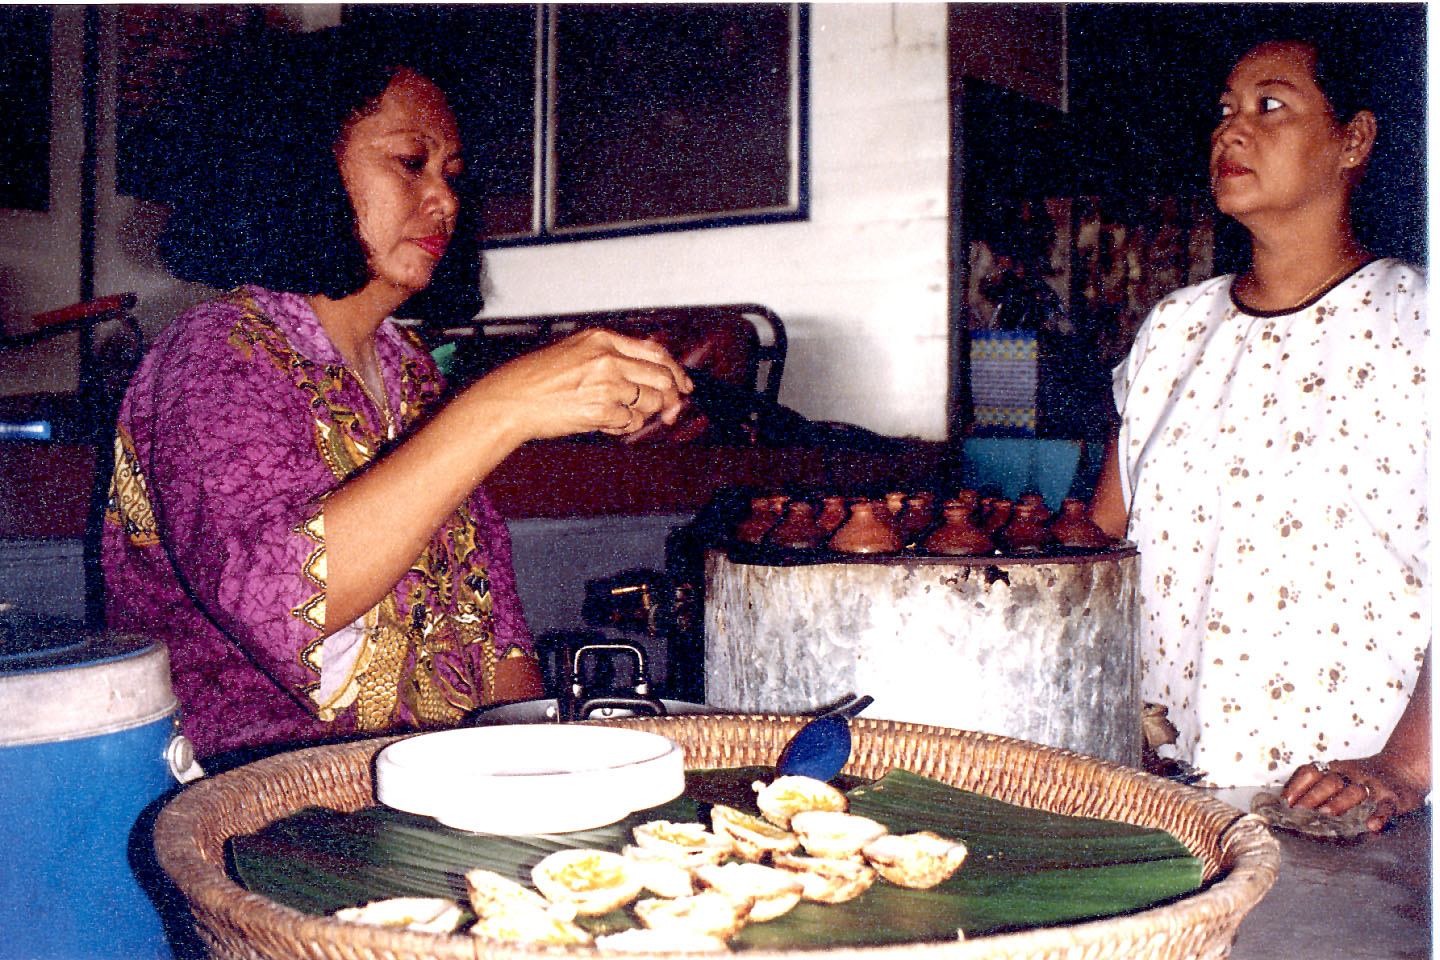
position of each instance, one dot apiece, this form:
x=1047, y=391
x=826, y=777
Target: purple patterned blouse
x=239, y=423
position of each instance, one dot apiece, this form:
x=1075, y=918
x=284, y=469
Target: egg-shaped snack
x=594, y=881
x=689, y=844
x=752, y=837
x=661, y=875
x=783, y=797
x=828, y=879
x=773, y=892
x=644, y=940
x=917, y=860
x=492, y=894
x=707, y=913
x=825, y=833
x=426, y=914
x=528, y=925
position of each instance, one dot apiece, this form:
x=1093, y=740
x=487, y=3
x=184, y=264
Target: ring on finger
x=637, y=397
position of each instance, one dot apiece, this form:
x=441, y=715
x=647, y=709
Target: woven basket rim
x=1248, y=856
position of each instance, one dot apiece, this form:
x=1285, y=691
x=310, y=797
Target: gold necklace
x=382, y=403
x=1322, y=285
x=1346, y=265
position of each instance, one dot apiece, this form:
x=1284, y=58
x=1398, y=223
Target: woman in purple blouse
x=292, y=511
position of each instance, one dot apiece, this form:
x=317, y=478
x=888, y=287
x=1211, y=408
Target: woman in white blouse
x=1271, y=467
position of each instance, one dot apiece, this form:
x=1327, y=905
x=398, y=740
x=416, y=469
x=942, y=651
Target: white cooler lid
x=62, y=682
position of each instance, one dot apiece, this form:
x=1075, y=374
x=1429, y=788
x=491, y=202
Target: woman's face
x=398, y=164
x=1278, y=146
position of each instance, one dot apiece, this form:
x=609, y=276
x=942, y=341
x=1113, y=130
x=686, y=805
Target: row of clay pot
x=965, y=526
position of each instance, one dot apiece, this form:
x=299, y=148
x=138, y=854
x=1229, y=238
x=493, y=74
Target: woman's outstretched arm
x=379, y=521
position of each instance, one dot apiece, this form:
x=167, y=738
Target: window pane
x=668, y=112
x=25, y=99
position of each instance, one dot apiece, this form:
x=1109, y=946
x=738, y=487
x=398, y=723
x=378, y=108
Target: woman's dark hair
x=247, y=164
x=1343, y=77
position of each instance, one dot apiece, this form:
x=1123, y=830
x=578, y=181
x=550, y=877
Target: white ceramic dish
x=529, y=778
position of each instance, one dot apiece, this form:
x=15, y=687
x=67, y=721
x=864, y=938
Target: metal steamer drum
x=89, y=741
x=1040, y=648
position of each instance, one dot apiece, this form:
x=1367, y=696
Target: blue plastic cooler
x=87, y=742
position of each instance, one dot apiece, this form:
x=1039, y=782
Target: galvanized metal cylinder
x=1042, y=648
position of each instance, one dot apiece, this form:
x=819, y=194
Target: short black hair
x=1342, y=76
x=245, y=158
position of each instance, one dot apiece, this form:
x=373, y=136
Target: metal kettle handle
x=577, y=704
x=642, y=677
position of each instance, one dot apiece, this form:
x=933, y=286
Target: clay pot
x=1026, y=532
x=832, y=513
x=915, y=519
x=1038, y=505
x=1074, y=528
x=754, y=527
x=958, y=536
x=895, y=502
x=994, y=518
x=798, y=531
x=866, y=531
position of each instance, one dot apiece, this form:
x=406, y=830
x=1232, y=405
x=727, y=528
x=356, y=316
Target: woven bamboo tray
x=1241, y=858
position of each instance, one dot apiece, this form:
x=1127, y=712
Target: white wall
x=861, y=285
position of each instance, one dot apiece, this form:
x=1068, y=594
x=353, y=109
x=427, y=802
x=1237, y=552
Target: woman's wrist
x=481, y=428
x=492, y=408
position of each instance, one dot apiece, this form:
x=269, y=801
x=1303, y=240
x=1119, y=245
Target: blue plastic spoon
x=821, y=748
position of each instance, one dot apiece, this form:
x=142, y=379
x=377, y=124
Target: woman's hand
x=1398, y=777
x=592, y=380
x=1336, y=787
x=517, y=677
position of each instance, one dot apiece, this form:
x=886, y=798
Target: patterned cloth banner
x=1003, y=379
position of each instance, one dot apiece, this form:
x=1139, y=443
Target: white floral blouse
x=1275, y=469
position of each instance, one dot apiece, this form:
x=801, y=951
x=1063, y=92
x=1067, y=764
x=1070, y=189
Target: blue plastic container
x=90, y=724
x=1013, y=466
